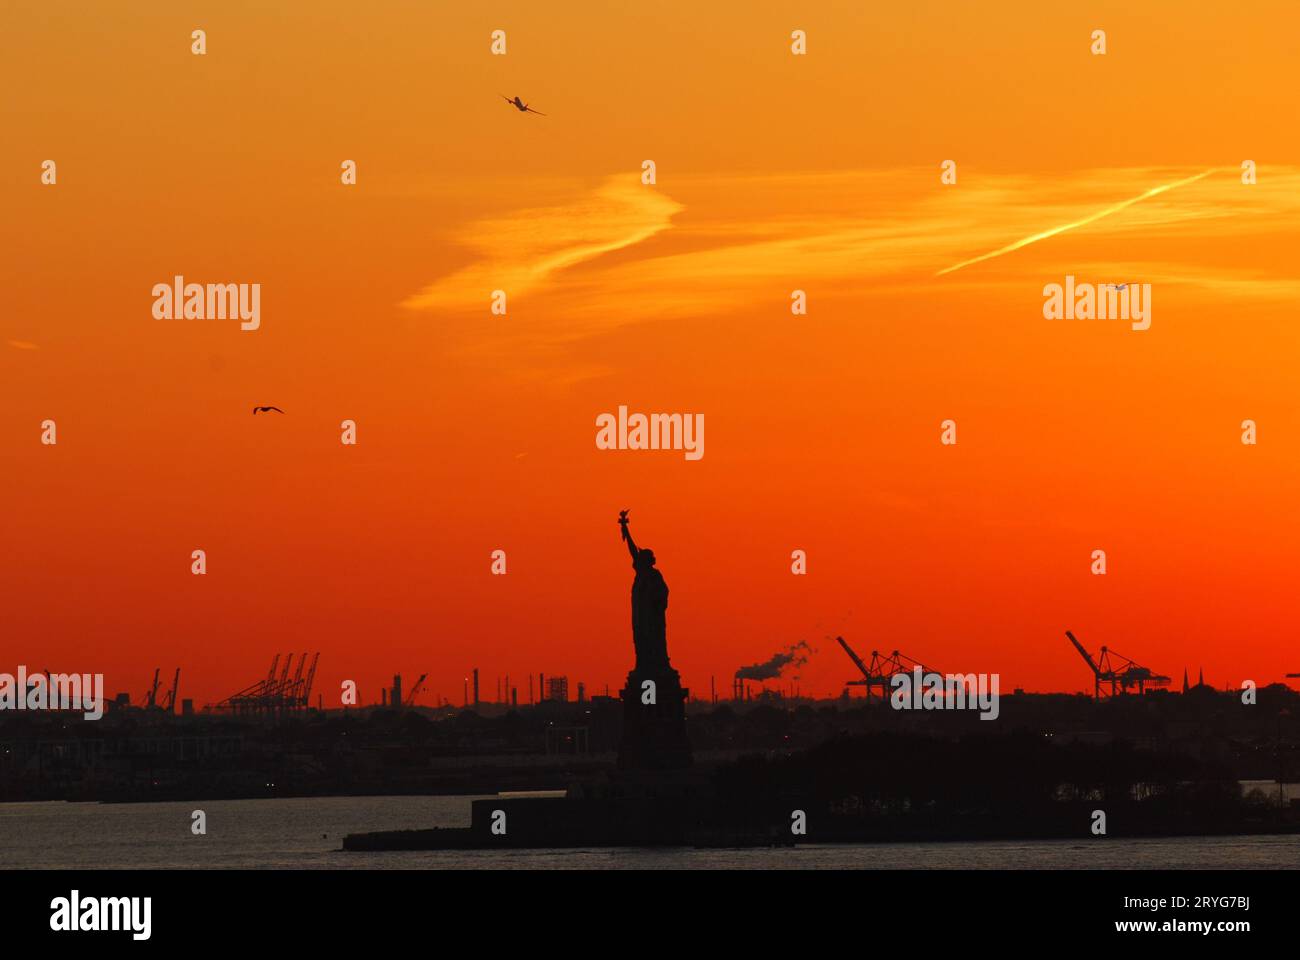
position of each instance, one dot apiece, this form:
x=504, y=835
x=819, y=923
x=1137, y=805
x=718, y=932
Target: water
x=306, y=833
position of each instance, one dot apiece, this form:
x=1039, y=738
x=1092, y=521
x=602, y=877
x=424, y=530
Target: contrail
x=1078, y=223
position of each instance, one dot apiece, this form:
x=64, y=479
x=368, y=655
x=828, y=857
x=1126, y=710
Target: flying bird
x=257, y=410
x=521, y=106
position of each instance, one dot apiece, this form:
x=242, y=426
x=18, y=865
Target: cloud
x=887, y=234
x=525, y=251
x=621, y=254
x=23, y=345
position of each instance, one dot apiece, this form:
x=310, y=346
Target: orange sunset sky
x=476, y=432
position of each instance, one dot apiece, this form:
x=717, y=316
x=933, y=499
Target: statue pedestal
x=654, y=734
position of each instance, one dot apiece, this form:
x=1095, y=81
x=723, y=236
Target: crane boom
x=1087, y=657
x=311, y=675
x=854, y=657
x=293, y=692
x=419, y=684
x=170, y=706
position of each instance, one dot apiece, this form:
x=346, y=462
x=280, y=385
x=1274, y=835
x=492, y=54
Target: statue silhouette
x=654, y=700
x=649, y=605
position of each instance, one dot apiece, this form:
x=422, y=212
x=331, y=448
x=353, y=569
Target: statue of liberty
x=654, y=700
x=649, y=605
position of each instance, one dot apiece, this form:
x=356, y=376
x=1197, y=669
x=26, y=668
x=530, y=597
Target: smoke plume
x=796, y=654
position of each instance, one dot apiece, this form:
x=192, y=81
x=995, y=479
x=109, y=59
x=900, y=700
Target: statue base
x=654, y=733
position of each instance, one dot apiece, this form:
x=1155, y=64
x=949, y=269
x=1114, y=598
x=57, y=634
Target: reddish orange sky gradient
x=476, y=432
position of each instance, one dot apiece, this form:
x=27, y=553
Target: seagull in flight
x=257, y=410
x=521, y=106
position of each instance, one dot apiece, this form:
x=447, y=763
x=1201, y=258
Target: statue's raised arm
x=622, y=522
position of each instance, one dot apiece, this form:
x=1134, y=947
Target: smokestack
x=383, y=696
x=476, y=686
x=541, y=687
x=514, y=697
x=582, y=692
x=397, y=691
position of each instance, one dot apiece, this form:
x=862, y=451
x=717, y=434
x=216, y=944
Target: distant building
x=557, y=688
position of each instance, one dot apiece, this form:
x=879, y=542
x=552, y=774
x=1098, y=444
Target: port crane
x=311, y=676
x=283, y=689
x=882, y=669
x=1118, y=670
x=295, y=687
x=151, y=698
x=418, y=686
x=169, y=705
